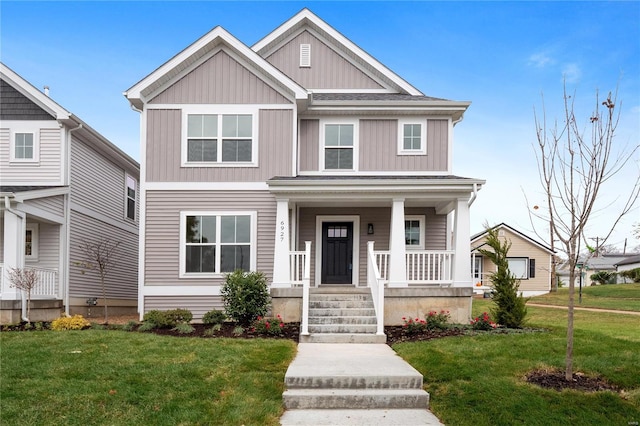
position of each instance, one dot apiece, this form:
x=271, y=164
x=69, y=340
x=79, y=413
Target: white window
x=305, y=55
x=339, y=146
x=24, y=147
x=412, y=137
x=219, y=139
x=130, y=197
x=31, y=241
x=519, y=267
x=414, y=232
x=215, y=243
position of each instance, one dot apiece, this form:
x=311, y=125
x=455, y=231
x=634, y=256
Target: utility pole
x=597, y=240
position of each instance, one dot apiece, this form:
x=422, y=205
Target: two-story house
x=62, y=186
x=307, y=159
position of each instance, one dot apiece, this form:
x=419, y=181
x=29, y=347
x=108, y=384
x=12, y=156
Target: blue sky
x=501, y=56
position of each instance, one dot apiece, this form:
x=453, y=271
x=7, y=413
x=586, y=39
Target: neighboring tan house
x=62, y=184
x=248, y=153
x=529, y=260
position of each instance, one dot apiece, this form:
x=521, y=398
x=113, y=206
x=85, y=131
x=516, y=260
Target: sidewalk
x=580, y=308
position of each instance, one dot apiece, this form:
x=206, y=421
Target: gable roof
x=478, y=236
x=187, y=59
x=307, y=19
x=629, y=260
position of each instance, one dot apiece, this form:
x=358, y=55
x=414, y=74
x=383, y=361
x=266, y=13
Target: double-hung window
x=31, y=241
x=414, y=232
x=215, y=139
x=217, y=242
x=130, y=198
x=412, y=138
x=339, y=146
x=24, y=147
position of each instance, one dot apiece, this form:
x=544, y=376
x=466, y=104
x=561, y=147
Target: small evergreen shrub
x=245, y=296
x=177, y=316
x=147, y=326
x=97, y=326
x=238, y=331
x=604, y=277
x=214, y=317
x=183, y=328
x=268, y=326
x=130, y=325
x=168, y=319
x=76, y=322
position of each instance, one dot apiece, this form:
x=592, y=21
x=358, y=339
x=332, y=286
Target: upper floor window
x=219, y=139
x=339, y=146
x=217, y=242
x=130, y=198
x=412, y=138
x=414, y=232
x=24, y=147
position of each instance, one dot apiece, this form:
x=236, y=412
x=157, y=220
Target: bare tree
x=25, y=280
x=100, y=256
x=574, y=163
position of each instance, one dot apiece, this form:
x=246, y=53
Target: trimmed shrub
x=604, y=277
x=76, y=322
x=214, y=317
x=245, y=296
x=177, y=316
x=167, y=319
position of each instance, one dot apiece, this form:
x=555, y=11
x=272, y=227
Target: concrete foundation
x=41, y=310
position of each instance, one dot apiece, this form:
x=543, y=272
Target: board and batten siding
x=162, y=233
x=379, y=147
x=220, y=80
x=308, y=145
x=47, y=169
x=198, y=305
x=122, y=279
x=328, y=69
x=53, y=204
x=163, y=158
x=380, y=218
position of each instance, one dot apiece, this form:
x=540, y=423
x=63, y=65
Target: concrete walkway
x=353, y=384
x=580, y=308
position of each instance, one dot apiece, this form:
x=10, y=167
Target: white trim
x=352, y=90
x=178, y=106
x=173, y=290
x=450, y=146
x=355, y=269
x=421, y=220
x=375, y=173
x=423, y=123
x=205, y=186
x=253, y=240
x=31, y=124
x=35, y=140
x=39, y=193
x=220, y=111
x=35, y=235
x=142, y=219
x=42, y=214
x=126, y=217
x=356, y=142
x=128, y=227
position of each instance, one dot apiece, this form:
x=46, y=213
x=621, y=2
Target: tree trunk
x=569, y=356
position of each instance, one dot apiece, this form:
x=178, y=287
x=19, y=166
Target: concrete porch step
x=347, y=312
x=339, y=297
x=340, y=304
x=399, y=380
x=349, y=398
x=381, y=417
x=343, y=338
x=342, y=320
x=342, y=328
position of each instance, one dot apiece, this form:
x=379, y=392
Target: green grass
x=479, y=380
x=624, y=297
x=124, y=378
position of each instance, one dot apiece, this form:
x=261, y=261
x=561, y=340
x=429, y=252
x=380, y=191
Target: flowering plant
x=268, y=326
x=483, y=322
x=411, y=326
x=437, y=320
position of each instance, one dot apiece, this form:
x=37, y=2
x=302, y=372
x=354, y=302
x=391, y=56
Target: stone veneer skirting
x=411, y=302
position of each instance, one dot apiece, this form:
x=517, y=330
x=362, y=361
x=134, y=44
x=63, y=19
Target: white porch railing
x=375, y=282
x=46, y=286
x=300, y=274
x=430, y=267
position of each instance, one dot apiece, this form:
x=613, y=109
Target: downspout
x=67, y=236
x=22, y=216
x=475, y=194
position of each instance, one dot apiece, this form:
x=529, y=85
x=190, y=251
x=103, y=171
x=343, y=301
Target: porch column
x=281, y=267
x=14, y=234
x=397, y=256
x=462, y=246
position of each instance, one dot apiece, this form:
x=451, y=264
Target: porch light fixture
x=370, y=228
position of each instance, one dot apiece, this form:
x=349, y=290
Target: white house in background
x=627, y=264
x=307, y=159
x=61, y=184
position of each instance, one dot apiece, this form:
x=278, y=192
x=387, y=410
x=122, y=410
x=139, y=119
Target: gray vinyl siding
x=53, y=205
x=309, y=148
x=328, y=70
x=163, y=156
x=97, y=183
x=380, y=217
x=379, y=147
x=198, y=305
x=121, y=280
x=162, y=238
x=48, y=247
x=220, y=80
x=15, y=106
x=47, y=169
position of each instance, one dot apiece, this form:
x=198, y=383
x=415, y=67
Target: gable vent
x=305, y=55
x=501, y=233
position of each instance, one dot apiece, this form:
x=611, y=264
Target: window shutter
x=305, y=55
x=532, y=268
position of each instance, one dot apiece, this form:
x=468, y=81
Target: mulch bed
x=555, y=379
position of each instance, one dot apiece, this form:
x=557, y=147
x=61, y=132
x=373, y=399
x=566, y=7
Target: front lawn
x=479, y=380
x=624, y=297
x=127, y=378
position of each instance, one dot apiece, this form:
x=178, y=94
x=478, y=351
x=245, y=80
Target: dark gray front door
x=337, y=252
